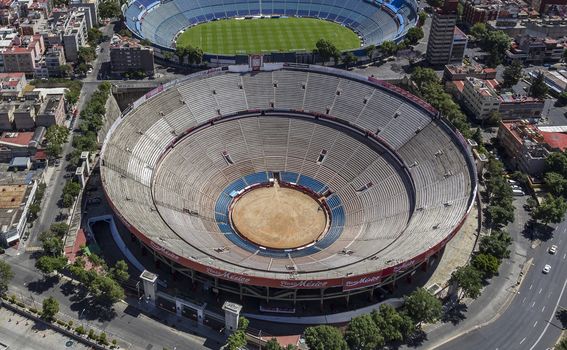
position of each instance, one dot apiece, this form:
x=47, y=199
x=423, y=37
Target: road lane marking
x=533, y=303
x=524, y=300
x=550, y=317
x=564, y=255
x=542, y=309
x=540, y=290
x=523, y=340
x=535, y=324
x=531, y=285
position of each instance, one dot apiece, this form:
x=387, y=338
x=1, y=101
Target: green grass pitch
x=232, y=36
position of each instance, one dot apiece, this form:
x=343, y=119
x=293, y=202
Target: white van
x=518, y=192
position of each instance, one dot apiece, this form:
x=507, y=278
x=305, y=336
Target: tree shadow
x=417, y=339
x=533, y=231
x=43, y=285
x=561, y=315
x=91, y=309
x=455, y=314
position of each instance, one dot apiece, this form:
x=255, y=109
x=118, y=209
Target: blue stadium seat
x=289, y=177
x=337, y=217
x=257, y=178
x=311, y=184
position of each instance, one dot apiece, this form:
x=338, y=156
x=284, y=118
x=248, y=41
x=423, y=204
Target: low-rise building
x=51, y=111
x=20, y=144
x=480, y=98
x=523, y=143
x=25, y=56
x=24, y=115
x=513, y=106
x=54, y=59
x=126, y=54
x=454, y=72
x=536, y=50
x=75, y=34
x=15, y=200
x=528, y=145
x=12, y=83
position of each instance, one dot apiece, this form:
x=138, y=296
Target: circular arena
x=294, y=182
x=374, y=21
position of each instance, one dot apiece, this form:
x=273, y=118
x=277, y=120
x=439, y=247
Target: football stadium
x=233, y=27
x=287, y=182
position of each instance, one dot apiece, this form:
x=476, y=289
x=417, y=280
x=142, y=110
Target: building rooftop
x=516, y=98
x=18, y=139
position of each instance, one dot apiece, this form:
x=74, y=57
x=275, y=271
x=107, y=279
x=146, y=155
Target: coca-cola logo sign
x=303, y=284
x=228, y=276
x=162, y=251
x=363, y=282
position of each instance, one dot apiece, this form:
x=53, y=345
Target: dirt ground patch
x=278, y=217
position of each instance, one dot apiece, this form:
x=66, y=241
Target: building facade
x=127, y=55
x=446, y=42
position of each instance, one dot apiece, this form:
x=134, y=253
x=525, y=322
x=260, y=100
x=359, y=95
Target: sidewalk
x=493, y=301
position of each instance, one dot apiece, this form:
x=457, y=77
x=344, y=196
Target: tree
x=486, y=264
x=167, y=55
x=106, y=290
x=72, y=96
x=422, y=18
x=145, y=42
x=120, y=272
x=109, y=9
x=194, y=55
x=324, y=337
x=6, y=276
x=479, y=30
x=552, y=210
x=272, y=344
x=495, y=42
x=33, y=211
x=180, y=52
x=422, y=306
x=52, y=246
x=94, y=36
x=326, y=49
x=539, y=88
x=57, y=134
x=414, y=35
x=50, y=308
x=562, y=99
x=512, y=74
x=555, y=183
x=424, y=76
x=59, y=229
x=388, y=48
x=556, y=162
x=54, y=150
x=86, y=54
x=496, y=244
x=362, y=334
x=236, y=341
x=562, y=345
x=48, y=264
x=243, y=323
x=500, y=215
x=72, y=188
x=102, y=339
x=393, y=326
x=65, y=70
x=348, y=59
x=468, y=279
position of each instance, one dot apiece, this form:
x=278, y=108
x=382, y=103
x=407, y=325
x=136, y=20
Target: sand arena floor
x=279, y=217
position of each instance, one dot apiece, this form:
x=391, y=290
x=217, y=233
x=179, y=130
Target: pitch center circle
x=278, y=217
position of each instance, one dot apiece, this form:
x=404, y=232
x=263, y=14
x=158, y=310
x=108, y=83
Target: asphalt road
x=529, y=322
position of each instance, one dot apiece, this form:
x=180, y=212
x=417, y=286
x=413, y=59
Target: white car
x=546, y=268
x=553, y=249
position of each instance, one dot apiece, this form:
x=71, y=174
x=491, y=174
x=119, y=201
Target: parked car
x=518, y=193
x=546, y=268
x=553, y=249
